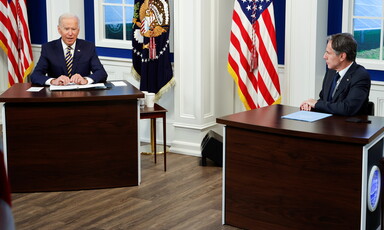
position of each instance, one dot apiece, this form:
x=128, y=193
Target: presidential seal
x=374, y=187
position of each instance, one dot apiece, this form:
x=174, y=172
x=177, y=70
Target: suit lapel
x=59, y=50
x=76, y=56
x=344, y=82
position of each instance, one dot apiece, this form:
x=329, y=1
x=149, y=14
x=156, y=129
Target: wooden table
x=287, y=174
x=152, y=113
x=70, y=140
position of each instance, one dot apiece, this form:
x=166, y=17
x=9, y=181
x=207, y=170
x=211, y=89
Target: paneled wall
x=377, y=97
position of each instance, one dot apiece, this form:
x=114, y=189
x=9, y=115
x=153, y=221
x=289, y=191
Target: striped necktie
x=69, y=60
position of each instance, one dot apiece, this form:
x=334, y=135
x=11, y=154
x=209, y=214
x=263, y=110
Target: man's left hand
x=78, y=79
x=308, y=105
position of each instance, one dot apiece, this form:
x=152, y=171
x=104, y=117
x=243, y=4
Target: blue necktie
x=333, y=86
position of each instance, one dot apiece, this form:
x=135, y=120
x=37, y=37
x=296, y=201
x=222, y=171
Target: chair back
x=371, y=108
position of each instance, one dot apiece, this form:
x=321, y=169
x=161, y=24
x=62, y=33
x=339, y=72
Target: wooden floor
x=187, y=196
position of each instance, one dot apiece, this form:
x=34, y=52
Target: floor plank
x=187, y=196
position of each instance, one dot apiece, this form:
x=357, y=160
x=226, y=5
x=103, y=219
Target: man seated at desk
x=68, y=59
x=346, y=84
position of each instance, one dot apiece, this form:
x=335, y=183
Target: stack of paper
x=74, y=86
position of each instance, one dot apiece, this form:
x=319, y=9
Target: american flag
x=252, y=59
x=15, y=39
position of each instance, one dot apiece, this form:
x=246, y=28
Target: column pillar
x=196, y=66
x=305, y=42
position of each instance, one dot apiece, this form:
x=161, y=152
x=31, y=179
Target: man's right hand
x=62, y=80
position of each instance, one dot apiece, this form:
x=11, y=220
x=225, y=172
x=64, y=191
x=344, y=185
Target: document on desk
x=307, y=116
x=118, y=83
x=35, y=89
x=75, y=87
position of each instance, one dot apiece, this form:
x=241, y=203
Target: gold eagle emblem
x=154, y=18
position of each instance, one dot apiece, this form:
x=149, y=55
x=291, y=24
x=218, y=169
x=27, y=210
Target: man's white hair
x=69, y=15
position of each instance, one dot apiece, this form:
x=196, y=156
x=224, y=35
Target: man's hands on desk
x=308, y=105
x=65, y=80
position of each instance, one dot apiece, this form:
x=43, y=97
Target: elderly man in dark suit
x=346, y=84
x=68, y=59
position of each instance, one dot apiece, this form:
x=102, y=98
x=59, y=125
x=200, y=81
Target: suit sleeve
x=98, y=73
x=352, y=99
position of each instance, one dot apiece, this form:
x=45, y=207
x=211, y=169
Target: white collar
x=344, y=71
x=65, y=45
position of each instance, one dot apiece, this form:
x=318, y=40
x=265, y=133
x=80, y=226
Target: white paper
x=35, y=89
x=306, y=116
x=119, y=83
x=72, y=86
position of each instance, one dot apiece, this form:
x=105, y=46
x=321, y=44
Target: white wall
x=3, y=77
x=3, y=71
x=305, y=35
x=56, y=8
x=377, y=97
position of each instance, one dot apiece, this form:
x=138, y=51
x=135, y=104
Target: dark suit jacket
x=52, y=62
x=351, y=96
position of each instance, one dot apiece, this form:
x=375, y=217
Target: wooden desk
x=287, y=174
x=69, y=140
x=152, y=113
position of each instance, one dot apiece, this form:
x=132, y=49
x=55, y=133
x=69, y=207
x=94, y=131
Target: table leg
x=153, y=137
x=165, y=144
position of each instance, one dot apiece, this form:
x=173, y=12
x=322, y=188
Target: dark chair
x=212, y=148
x=371, y=108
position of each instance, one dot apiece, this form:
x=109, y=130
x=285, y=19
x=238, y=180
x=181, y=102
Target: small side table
x=152, y=113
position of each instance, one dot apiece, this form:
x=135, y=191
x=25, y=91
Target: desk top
x=18, y=94
x=335, y=128
x=150, y=110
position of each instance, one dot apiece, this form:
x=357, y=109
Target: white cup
x=142, y=100
x=150, y=99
